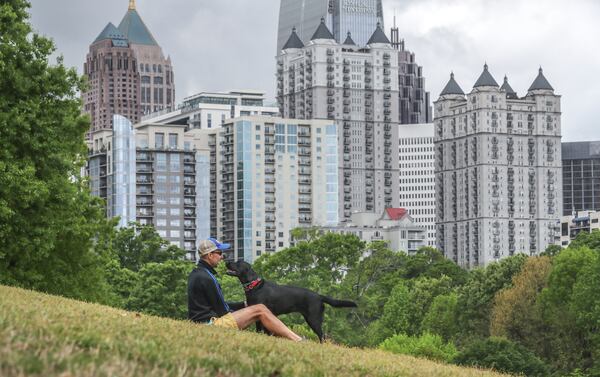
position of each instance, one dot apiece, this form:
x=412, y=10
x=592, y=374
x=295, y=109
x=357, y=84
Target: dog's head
x=242, y=270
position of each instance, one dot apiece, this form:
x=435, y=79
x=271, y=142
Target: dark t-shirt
x=204, y=299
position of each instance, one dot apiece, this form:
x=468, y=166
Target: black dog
x=284, y=299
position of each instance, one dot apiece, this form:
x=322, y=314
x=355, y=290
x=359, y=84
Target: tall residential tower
x=498, y=170
x=357, y=88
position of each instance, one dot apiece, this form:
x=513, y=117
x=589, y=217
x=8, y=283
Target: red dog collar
x=250, y=286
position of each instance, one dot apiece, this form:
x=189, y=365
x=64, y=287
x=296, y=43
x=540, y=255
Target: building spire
x=131, y=4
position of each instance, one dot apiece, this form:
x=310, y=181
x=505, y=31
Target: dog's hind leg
x=314, y=318
x=261, y=328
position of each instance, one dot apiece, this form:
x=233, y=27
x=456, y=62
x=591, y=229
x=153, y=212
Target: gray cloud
x=219, y=45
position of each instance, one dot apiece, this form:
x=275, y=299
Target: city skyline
x=456, y=36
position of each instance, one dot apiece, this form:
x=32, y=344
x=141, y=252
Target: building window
x=173, y=141
x=159, y=140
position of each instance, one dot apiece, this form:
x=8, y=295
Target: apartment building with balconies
x=356, y=88
x=498, y=170
x=153, y=174
x=268, y=176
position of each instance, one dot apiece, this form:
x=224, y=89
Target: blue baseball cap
x=211, y=244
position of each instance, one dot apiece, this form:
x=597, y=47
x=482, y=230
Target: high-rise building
x=358, y=17
x=249, y=182
x=208, y=110
x=269, y=176
x=581, y=170
x=357, y=89
x=153, y=174
x=415, y=106
x=417, y=176
x=498, y=170
x=127, y=72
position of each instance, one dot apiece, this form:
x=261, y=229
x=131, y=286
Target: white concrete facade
x=417, y=176
x=268, y=176
x=498, y=170
x=401, y=234
x=571, y=226
x=209, y=110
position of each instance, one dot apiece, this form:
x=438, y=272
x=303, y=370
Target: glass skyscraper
x=359, y=17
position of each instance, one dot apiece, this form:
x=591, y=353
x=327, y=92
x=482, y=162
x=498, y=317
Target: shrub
x=502, y=355
x=427, y=345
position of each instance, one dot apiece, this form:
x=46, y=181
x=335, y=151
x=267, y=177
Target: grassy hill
x=52, y=336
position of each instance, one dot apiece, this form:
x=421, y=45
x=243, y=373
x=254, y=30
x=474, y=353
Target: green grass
x=47, y=335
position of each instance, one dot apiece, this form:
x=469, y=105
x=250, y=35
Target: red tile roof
x=396, y=213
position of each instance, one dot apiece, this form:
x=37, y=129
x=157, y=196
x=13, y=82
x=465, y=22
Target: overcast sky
x=220, y=45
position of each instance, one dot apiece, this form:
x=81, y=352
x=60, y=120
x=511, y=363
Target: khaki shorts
x=227, y=321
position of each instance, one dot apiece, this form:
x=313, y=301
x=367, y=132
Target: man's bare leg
x=247, y=316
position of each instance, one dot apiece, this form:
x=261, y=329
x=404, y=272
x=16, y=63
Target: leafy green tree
x=585, y=303
x=567, y=303
x=429, y=346
x=475, y=297
x=502, y=355
x=409, y=301
x=47, y=217
x=161, y=289
x=429, y=262
x=135, y=246
x=516, y=314
x=584, y=239
x=441, y=317
x=551, y=250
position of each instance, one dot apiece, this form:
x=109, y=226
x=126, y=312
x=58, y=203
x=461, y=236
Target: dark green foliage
x=570, y=308
x=502, y=355
x=161, y=289
x=475, y=297
x=137, y=246
x=427, y=345
x=429, y=262
x=47, y=217
x=441, y=317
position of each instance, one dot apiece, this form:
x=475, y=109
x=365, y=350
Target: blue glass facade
x=202, y=197
x=360, y=17
x=244, y=151
x=123, y=184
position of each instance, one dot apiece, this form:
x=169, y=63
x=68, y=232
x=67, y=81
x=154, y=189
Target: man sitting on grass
x=207, y=305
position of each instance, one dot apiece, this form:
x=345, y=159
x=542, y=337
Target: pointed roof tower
x=540, y=82
x=111, y=32
x=452, y=87
x=134, y=28
x=378, y=36
x=322, y=32
x=485, y=79
x=293, y=41
x=510, y=93
x=349, y=41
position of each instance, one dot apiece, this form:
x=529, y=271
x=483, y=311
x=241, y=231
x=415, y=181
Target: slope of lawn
x=52, y=336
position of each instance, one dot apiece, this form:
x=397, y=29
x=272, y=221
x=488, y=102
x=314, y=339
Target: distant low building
x=571, y=226
x=208, y=110
x=395, y=226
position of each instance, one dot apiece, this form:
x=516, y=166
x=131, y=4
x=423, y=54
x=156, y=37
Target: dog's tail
x=338, y=303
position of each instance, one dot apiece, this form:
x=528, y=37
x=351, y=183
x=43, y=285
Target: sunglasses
x=217, y=252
